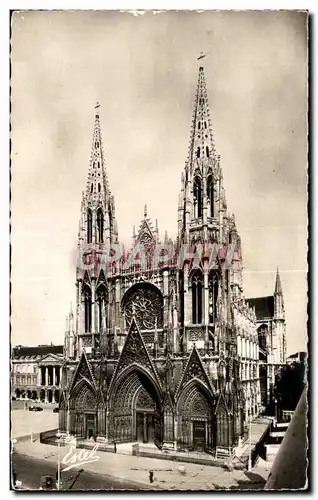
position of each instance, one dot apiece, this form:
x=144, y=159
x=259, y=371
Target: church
x=162, y=347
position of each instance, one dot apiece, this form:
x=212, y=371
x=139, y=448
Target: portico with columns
x=49, y=376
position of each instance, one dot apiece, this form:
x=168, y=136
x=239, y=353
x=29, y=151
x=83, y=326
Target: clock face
x=146, y=305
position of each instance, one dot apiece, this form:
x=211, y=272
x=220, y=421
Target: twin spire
x=97, y=180
x=201, y=140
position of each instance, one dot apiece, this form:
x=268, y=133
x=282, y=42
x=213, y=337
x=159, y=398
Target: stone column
x=46, y=377
x=39, y=375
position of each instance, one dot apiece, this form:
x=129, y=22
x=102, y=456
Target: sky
x=143, y=71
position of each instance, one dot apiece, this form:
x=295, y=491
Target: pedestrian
x=151, y=476
x=115, y=447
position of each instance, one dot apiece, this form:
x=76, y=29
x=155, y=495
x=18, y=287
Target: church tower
x=97, y=230
x=279, y=324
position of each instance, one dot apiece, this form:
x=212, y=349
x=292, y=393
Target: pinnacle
x=278, y=284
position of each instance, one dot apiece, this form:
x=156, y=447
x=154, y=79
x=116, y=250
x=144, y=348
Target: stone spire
x=278, y=284
x=98, y=223
x=201, y=139
x=97, y=179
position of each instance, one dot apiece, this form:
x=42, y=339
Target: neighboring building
x=271, y=328
x=165, y=347
x=298, y=357
x=35, y=372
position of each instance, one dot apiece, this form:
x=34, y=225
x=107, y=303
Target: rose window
x=145, y=303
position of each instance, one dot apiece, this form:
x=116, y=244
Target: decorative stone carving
x=146, y=304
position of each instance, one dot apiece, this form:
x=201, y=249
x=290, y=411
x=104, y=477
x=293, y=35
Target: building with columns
x=36, y=372
x=163, y=346
x=271, y=331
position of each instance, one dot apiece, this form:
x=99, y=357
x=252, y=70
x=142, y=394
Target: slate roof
x=264, y=306
x=33, y=352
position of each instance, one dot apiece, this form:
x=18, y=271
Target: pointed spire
x=145, y=212
x=71, y=310
x=278, y=284
x=97, y=180
x=201, y=141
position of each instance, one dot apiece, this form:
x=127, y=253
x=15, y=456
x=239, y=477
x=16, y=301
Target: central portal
x=145, y=429
x=198, y=435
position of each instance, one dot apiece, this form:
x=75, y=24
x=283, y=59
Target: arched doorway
x=83, y=421
x=56, y=396
x=196, y=426
x=49, y=396
x=17, y=393
x=34, y=395
x=135, y=411
x=42, y=395
x=29, y=394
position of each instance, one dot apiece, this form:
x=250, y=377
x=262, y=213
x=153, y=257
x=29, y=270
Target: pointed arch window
x=197, y=297
x=207, y=152
x=204, y=124
x=89, y=226
x=101, y=298
x=198, y=152
x=197, y=195
x=92, y=187
x=213, y=294
x=87, y=295
x=210, y=195
x=199, y=125
x=100, y=225
x=110, y=218
x=99, y=187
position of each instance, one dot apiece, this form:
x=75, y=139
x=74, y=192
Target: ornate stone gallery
x=163, y=346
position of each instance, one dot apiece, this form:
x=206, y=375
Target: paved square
x=24, y=422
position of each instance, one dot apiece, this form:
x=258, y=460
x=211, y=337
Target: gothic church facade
x=163, y=346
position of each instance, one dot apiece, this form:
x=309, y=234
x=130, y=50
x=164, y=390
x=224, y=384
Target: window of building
x=210, y=195
x=87, y=308
x=213, y=294
x=100, y=224
x=207, y=152
x=197, y=195
x=198, y=152
x=89, y=226
x=197, y=292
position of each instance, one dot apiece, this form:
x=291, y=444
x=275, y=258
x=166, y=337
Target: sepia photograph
x=159, y=250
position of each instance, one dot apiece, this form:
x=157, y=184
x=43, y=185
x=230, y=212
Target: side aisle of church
x=163, y=346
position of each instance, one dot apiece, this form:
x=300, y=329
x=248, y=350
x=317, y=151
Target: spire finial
x=145, y=211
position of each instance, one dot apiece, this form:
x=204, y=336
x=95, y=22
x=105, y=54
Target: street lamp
x=58, y=435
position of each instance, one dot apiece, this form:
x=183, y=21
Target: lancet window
x=197, y=296
x=197, y=195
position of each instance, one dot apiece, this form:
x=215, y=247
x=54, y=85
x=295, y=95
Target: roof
x=28, y=352
x=264, y=306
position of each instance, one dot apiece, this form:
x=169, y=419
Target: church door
x=90, y=427
x=198, y=435
x=145, y=427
